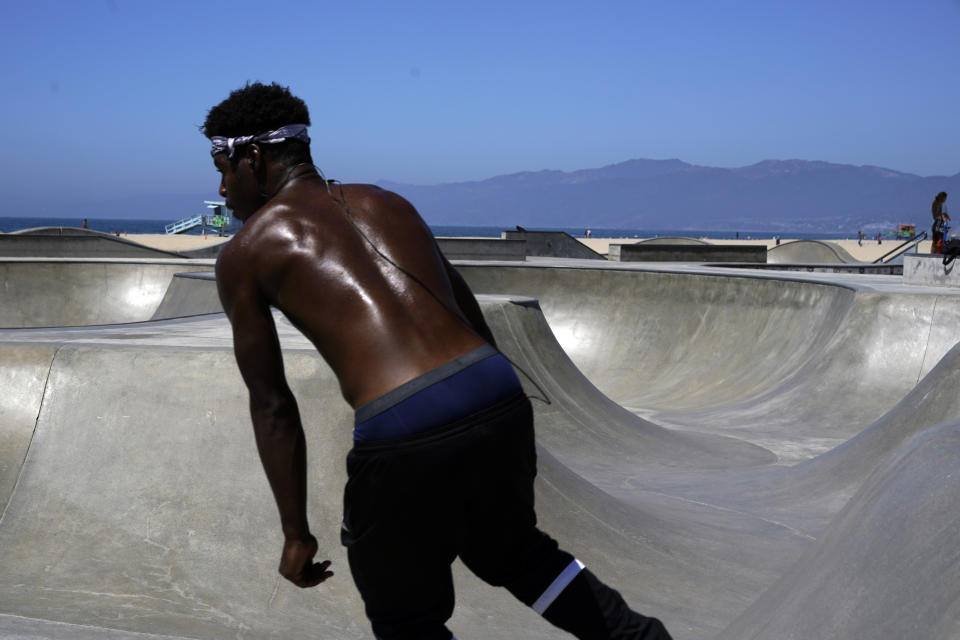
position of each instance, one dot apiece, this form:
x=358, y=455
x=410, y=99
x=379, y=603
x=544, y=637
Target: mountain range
x=773, y=195
x=777, y=196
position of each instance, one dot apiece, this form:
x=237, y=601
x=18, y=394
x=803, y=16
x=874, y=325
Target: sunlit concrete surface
x=932, y=270
x=743, y=454
x=800, y=251
x=47, y=292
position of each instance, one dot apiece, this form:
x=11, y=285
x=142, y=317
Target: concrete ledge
x=672, y=240
x=482, y=249
x=928, y=270
x=553, y=244
x=76, y=246
x=61, y=293
x=70, y=242
x=882, y=269
x=58, y=231
x=647, y=252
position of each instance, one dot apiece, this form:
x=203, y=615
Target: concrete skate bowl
x=129, y=460
x=808, y=252
x=831, y=380
x=746, y=350
x=136, y=503
x=60, y=293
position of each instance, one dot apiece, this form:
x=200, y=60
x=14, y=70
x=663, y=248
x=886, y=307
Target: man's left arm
x=279, y=434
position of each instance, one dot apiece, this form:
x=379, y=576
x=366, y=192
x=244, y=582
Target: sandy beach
x=868, y=251
x=175, y=242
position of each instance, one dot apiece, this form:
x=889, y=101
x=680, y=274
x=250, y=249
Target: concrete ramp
x=74, y=243
x=898, y=531
x=556, y=244
x=60, y=293
x=70, y=242
x=896, y=350
x=740, y=356
x=672, y=240
x=806, y=496
x=808, y=252
x=742, y=455
x=23, y=375
x=189, y=294
x=717, y=340
x=142, y=508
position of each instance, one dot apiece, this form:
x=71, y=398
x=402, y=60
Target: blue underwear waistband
x=473, y=382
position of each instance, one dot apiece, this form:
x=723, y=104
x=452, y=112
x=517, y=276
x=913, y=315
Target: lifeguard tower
x=906, y=231
x=220, y=220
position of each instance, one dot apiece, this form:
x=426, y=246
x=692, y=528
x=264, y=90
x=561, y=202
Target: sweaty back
x=358, y=271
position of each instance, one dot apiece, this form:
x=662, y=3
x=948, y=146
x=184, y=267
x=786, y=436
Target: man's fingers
x=314, y=574
x=318, y=571
x=311, y=575
x=297, y=566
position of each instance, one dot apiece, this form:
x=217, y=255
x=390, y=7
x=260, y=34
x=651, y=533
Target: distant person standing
x=84, y=223
x=940, y=217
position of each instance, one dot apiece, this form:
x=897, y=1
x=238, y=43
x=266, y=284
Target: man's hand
x=297, y=564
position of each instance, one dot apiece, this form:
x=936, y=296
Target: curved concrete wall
x=808, y=251
x=37, y=293
x=75, y=246
x=189, y=294
x=23, y=375
x=739, y=356
x=672, y=240
x=152, y=501
x=638, y=334
x=785, y=468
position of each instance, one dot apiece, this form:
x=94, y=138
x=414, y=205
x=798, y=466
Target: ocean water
x=107, y=225
x=134, y=225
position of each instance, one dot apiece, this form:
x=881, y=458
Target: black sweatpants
x=412, y=506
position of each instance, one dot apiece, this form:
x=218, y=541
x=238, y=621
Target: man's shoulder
x=373, y=195
x=270, y=220
x=273, y=234
x=240, y=253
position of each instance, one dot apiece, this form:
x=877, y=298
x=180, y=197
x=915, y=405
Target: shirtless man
x=443, y=460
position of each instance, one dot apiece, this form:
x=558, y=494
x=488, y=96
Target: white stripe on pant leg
x=556, y=588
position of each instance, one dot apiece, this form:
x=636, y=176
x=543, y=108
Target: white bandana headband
x=221, y=144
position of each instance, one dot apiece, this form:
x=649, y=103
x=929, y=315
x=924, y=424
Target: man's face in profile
x=238, y=185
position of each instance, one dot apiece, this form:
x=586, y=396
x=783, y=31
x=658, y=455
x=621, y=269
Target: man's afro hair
x=253, y=109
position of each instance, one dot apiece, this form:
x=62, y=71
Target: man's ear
x=253, y=156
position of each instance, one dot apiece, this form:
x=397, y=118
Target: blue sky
x=102, y=98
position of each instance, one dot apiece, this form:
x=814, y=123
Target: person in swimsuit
x=443, y=461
